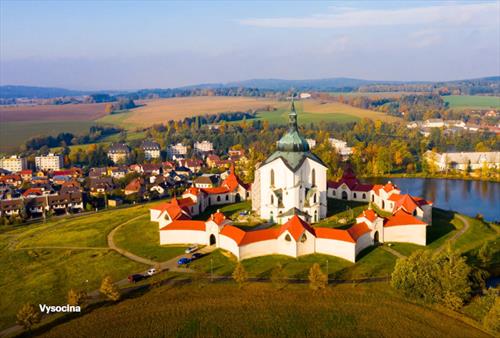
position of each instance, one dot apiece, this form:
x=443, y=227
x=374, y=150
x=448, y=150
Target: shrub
x=76, y=297
x=240, y=275
x=109, y=289
x=28, y=315
x=317, y=279
x=492, y=319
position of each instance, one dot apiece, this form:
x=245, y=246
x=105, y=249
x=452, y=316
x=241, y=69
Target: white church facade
x=291, y=189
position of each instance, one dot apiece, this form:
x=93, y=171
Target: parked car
x=136, y=278
x=151, y=271
x=191, y=249
x=196, y=255
x=183, y=261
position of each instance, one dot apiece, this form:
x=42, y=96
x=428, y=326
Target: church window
x=355, y=196
x=314, y=198
x=315, y=215
x=313, y=174
x=334, y=192
x=218, y=198
x=227, y=197
x=288, y=238
x=272, y=177
x=364, y=196
x=415, y=212
x=272, y=199
x=303, y=238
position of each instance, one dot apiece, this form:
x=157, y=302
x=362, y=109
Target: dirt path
x=456, y=236
x=392, y=251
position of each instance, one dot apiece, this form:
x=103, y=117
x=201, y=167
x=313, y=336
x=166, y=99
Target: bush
x=491, y=321
x=240, y=275
x=76, y=297
x=317, y=279
x=28, y=316
x=109, y=289
x=279, y=277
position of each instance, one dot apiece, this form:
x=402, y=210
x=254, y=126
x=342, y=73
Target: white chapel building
x=292, y=181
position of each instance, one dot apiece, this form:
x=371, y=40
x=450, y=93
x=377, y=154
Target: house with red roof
x=349, y=188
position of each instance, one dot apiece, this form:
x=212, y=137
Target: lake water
x=466, y=197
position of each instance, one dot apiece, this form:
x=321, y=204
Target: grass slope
x=259, y=310
x=461, y=102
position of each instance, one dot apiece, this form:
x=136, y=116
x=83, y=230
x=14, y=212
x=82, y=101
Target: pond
x=466, y=197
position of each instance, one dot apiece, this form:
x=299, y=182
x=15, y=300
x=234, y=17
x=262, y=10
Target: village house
x=463, y=160
x=134, y=187
x=118, y=152
x=341, y=147
x=151, y=149
x=206, y=181
x=176, y=151
x=203, y=146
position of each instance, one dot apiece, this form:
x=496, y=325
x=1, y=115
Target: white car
x=151, y=271
x=191, y=249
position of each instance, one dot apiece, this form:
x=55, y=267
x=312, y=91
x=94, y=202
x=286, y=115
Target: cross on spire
x=292, y=116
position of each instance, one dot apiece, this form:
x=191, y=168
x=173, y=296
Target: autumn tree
x=279, y=277
x=109, y=289
x=240, y=275
x=76, y=297
x=317, y=279
x=28, y=315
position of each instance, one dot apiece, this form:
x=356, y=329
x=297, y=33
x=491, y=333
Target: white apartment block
x=204, y=146
x=341, y=147
x=13, y=163
x=49, y=162
x=177, y=149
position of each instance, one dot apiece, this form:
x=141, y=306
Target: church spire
x=292, y=116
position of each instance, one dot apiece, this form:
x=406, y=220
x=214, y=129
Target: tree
x=240, y=275
x=485, y=254
x=279, y=276
x=28, y=316
x=317, y=279
x=76, y=297
x=109, y=289
x=492, y=319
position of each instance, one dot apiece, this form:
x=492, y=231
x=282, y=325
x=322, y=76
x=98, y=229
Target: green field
x=281, y=117
x=462, y=102
x=259, y=310
x=14, y=134
x=142, y=238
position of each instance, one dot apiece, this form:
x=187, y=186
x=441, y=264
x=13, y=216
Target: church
x=292, y=181
x=291, y=190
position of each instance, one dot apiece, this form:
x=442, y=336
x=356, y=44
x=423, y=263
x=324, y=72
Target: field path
x=392, y=251
x=459, y=233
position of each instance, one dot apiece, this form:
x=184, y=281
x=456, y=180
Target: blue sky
x=129, y=45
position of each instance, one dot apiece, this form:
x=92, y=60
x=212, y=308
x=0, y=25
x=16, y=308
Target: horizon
x=134, y=45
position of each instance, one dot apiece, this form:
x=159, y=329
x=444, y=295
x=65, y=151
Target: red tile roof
x=402, y=218
x=234, y=233
x=185, y=225
x=358, y=230
x=218, y=217
x=296, y=226
x=242, y=237
x=337, y=234
x=215, y=191
x=134, y=185
x=369, y=214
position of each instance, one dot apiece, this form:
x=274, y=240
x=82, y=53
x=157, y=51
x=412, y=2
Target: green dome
x=292, y=141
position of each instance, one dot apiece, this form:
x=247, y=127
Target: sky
x=128, y=45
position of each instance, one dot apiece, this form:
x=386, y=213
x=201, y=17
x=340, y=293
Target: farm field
x=163, y=110
x=63, y=112
x=462, y=102
x=14, y=134
x=258, y=309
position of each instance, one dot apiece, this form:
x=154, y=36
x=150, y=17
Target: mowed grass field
x=164, y=110
x=463, y=102
x=260, y=310
x=19, y=123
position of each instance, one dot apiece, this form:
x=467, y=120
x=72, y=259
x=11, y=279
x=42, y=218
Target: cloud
x=447, y=14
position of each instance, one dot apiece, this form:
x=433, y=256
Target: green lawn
x=259, y=310
x=43, y=276
x=475, y=236
x=230, y=210
x=280, y=116
x=85, y=231
x=142, y=238
x=444, y=226
x=461, y=102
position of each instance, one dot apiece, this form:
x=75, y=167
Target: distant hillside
x=13, y=92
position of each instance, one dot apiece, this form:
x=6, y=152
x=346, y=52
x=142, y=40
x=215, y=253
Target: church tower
x=292, y=181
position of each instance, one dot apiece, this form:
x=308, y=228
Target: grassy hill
x=258, y=310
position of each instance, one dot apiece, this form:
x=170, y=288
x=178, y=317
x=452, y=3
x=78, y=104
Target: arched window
x=272, y=177
x=288, y=238
x=314, y=198
x=227, y=197
x=218, y=198
x=313, y=177
x=315, y=216
x=355, y=195
x=272, y=199
x=334, y=192
x=373, y=198
x=383, y=204
x=303, y=238
x=364, y=196
x=415, y=212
